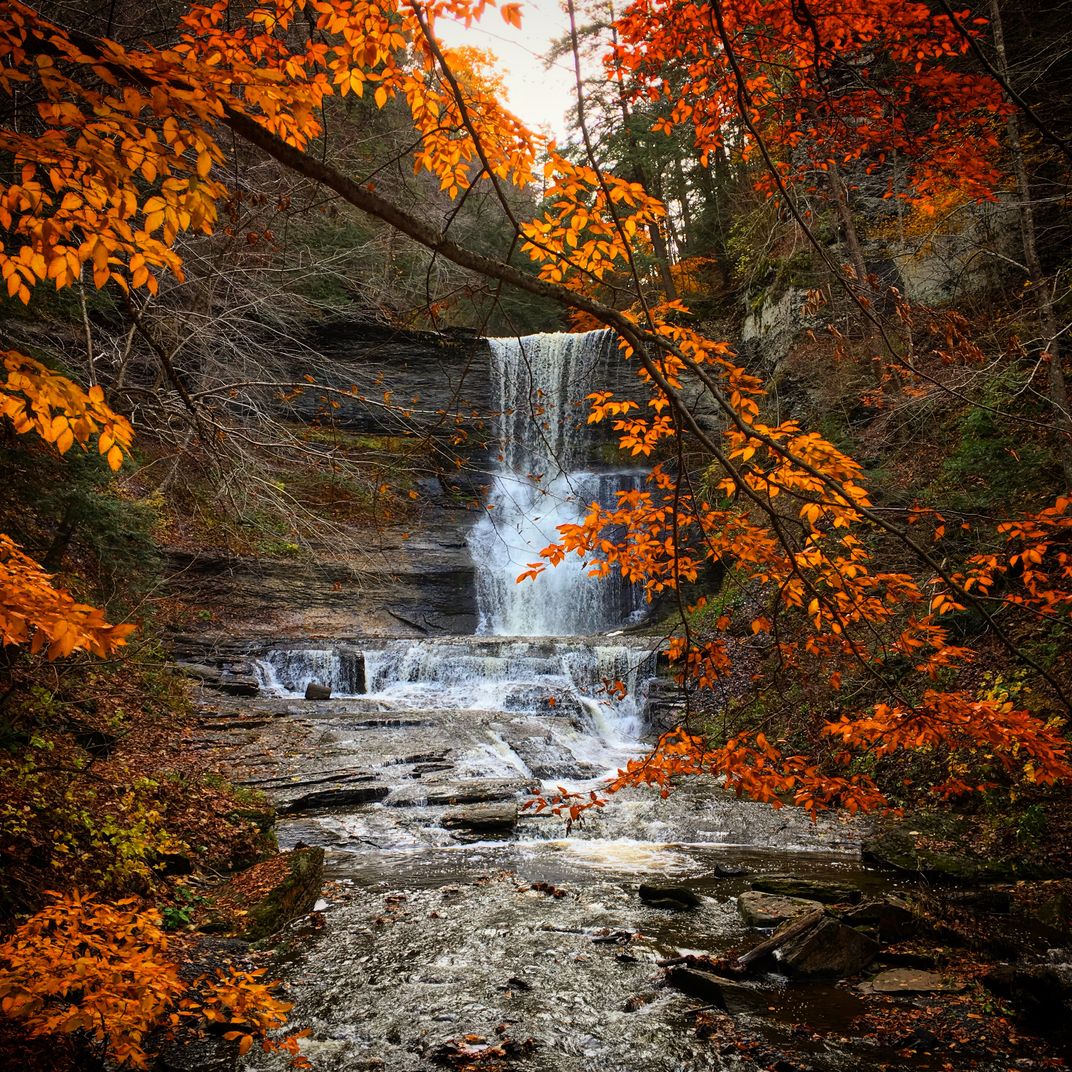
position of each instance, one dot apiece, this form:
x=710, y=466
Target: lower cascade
x=461, y=919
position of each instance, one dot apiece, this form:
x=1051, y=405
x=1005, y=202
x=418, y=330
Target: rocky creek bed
x=459, y=930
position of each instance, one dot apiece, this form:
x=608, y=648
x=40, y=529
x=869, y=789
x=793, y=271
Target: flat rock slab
x=770, y=910
x=914, y=981
x=813, y=889
x=474, y=792
x=482, y=818
x=342, y=796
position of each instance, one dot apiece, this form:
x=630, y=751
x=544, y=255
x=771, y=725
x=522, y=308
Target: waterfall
x=541, y=662
x=546, y=476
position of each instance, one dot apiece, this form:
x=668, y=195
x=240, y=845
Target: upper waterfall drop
x=546, y=476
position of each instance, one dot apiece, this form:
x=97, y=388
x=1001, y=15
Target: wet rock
x=730, y=871
x=315, y=691
x=913, y=981
x=220, y=679
x=829, y=948
x=340, y=796
x=705, y=986
x=482, y=818
x=638, y=1001
x=474, y=792
x=813, y=889
x=888, y=918
x=770, y=910
x=676, y=897
x=1040, y=993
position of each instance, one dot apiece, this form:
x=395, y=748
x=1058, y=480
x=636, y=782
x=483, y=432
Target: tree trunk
x=855, y=253
x=1057, y=384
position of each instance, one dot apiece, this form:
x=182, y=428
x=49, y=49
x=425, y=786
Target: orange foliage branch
x=103, y=971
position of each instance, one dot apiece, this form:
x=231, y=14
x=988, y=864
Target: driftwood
x=791, y=930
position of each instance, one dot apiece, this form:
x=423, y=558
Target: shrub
x=101, y=973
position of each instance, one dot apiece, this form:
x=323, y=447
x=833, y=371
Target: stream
x=453, y=913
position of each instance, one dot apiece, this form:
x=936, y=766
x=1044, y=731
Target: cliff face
x=413, y=584
x=428, y=379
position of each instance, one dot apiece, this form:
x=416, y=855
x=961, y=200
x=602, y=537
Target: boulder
x=315, y=691
x=889, y=918
x=813, y=889
x=1045, y=904
x=769, y=910
x=729, y=871
x=829, y=948
x=482, y=818
x=705, y=986
x=676, y=897
x=947, y=848
x=914, y=981
x=1040, y=993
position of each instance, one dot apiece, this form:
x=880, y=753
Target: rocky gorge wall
x=414, y=578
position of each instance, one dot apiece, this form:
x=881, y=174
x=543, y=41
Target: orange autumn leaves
x=32, y=610
x=825, y=84
x=104, y=971
x=122, y=156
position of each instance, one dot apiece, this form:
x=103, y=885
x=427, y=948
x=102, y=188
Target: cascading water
x=545, y=477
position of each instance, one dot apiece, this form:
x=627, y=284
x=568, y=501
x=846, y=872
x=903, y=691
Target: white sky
x=540, y=97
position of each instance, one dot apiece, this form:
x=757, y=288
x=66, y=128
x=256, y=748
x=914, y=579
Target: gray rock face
x=430, y=376
x=811, y=888
x=829, y=948
x=404, y=584
x=771, y=910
